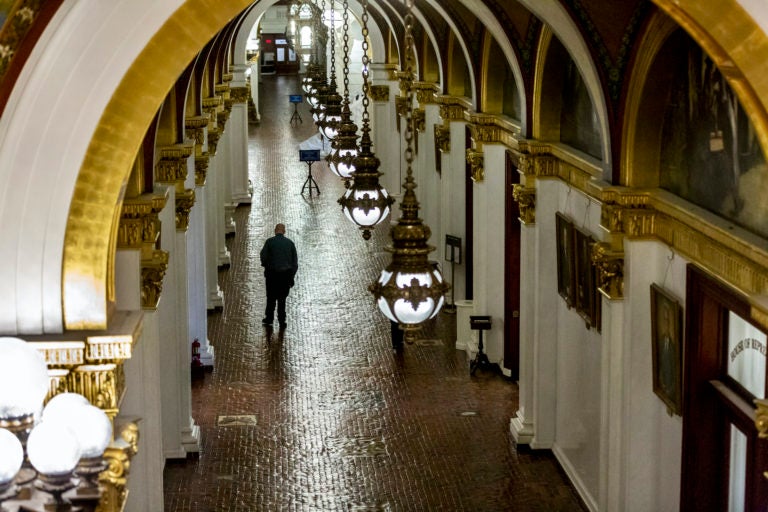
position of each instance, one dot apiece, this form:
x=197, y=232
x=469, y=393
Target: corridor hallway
x=325, y=416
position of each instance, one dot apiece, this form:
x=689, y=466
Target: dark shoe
x=266, y=321
x=283, y=325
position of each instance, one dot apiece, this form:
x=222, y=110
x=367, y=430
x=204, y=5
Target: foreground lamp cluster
x=410, y=289
x=56, y=449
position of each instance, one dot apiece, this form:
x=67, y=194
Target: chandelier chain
x=409, y=66
x=333, y=46
x=345, y=29
x=366, y=62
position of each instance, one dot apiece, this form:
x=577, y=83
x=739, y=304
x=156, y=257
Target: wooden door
x=724, y=371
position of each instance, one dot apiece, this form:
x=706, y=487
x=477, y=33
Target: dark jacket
x=279, y=255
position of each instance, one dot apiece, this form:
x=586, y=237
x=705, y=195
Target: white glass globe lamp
x=11, y=457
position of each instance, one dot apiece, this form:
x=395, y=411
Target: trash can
x=464, y=341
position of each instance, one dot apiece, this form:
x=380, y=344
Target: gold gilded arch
x=640, y=151
x=89, y=244
x=738, y=46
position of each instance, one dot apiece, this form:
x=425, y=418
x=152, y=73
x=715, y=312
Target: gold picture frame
x=667, y=348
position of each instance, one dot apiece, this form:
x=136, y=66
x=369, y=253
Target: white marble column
x=488, y=247
x=197, y=279
x=224, y=183
x=214, y=295
x=522, y=425
x=189, y=431
x=237, y=127
x=142, y=392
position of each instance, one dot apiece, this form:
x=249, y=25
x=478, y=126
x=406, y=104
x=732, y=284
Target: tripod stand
x=296, y=117
x=310, y=182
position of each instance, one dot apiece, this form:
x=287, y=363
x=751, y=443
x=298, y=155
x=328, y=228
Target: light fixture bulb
x=93, y=430
x=62, y=405
x=11, y=456
x=23, y=378
x=52, y=449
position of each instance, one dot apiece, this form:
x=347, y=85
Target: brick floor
x=325, y=416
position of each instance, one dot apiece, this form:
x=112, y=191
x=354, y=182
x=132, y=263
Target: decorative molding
x=213, y=141
x=152, y=274
x=239, y=94
x=526, y=201
x=184, y=203
x=118, y=455
x=425, y=92
x=380, y=92
x=139, y=226
x=401, y=109
x=222, y=116
x=221, y=90
x=452, y=108
x=227, y=77
x=212, y=102
x=491, y=128
x=475, y=160
x=59, y=354
x=610, y=270
x=201, y=169
x=102, y=384
x=419, y=117
x=443, y=138
x=195, y=130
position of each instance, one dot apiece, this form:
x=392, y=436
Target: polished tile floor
x=325, y=416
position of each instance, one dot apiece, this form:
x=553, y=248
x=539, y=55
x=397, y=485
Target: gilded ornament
x=213, y=141
x=201, y=169
x=152, y=274
x=610, y=270
x=380, y=92
x=239, y=94
x=184, y=203
x=475, y=160
x=761, y=418
x=425, y=92
x=451, y=112
x=443, y=138
x=526, y=202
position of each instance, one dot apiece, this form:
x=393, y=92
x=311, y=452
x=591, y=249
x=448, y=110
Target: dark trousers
x=278, y=285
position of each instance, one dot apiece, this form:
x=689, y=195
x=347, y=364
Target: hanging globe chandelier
x=411, y=289
x=329, y=111
x=344, y=144
x=366, y=202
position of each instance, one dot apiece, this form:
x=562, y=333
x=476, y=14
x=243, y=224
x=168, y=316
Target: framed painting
x=585, y=277
x=667, y=348
x=565, y=259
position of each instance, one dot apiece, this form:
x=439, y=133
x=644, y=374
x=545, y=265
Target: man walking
x=280, y=262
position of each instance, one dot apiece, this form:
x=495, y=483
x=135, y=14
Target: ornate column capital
x=201, y=169
x=526, y=201
x=184, y=203
x=213, y=141
x=425, y=92
x=239, y=94
x=450, y=111
x=194, y=128
x=419, y=119
x=139, y=226
x=152, y=273
x=443, y=138
x=380, y=92
x=475, y=159
x=610, y=270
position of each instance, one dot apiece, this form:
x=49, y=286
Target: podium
x=309, y=156
x=479, y=323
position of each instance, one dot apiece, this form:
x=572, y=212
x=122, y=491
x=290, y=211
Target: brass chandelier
x=345, y=143
x=366, y=202
x=411, y=288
